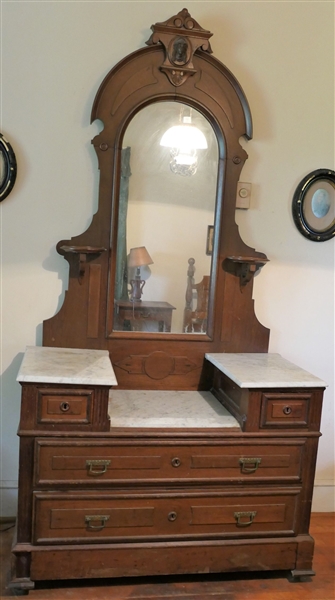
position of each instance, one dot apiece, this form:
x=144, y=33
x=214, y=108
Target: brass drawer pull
x=249, y=465
x=97, y=467
x=242, y=515
x=101, y=519
x=287, y=410
x=172, y=516
x=64, y=406
x=176, y=462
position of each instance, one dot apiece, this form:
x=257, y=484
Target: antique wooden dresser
x=145, y=451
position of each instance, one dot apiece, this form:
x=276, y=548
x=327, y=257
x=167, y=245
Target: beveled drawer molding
x=285, y=410
x=78, y=517
x=70, y=406
x=56, y=407
x=91, y=463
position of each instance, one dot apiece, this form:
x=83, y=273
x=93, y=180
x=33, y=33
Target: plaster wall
x=54, y=56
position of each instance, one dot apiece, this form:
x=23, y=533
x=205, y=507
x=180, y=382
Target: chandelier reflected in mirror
x=184, y=141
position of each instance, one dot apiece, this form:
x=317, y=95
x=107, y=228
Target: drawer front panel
x=76, y=518
x=122, y=560
x=285, y=410
x=64, y=519
x=64, y=406
x=94, y=463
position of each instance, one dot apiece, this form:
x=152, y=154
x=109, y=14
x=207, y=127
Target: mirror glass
x=165, y=221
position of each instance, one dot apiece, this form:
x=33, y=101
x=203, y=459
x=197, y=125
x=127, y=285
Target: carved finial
x=191, y=267
x=181, y=36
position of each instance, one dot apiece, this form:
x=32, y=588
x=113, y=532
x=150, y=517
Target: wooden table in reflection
x=143, y=316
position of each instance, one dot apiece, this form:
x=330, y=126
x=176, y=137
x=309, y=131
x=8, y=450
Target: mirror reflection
x=165, y=221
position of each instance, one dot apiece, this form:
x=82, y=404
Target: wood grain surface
x=251, y=586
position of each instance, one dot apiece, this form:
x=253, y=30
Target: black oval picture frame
x=313, y=205
x=8, y=168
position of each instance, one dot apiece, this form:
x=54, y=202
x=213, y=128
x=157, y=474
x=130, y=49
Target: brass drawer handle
x=249, y=465
x=97, y=467
x=287, y=410
x=172, y=516
x=101, y=519
x=64, y=406
x=176, y=462
x=242, y=515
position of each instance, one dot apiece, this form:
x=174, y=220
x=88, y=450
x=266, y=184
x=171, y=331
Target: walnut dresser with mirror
x=157, y=435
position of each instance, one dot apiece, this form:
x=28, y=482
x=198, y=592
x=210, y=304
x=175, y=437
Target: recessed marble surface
x=140, y=408
x=66, y=365
x=251, y=370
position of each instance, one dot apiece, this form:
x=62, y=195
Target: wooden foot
x=22, y=583
x=297, y=575
x=303, y=565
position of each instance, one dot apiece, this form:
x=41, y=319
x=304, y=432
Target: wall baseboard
x=7, y=520
x=324, y=496
x=8, y=499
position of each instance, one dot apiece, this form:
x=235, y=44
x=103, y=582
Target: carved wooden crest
x=181, y=36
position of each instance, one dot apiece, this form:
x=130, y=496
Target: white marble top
x=263, y=370
x=140, y=408
x=66, y=365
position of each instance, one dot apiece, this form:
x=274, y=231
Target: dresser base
x=164, y=558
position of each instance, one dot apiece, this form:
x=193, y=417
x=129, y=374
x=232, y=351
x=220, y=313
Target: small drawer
x=93, y=463
x=285, y=410
x=75, y=518
x=64, y=406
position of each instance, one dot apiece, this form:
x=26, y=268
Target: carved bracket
x=181, y=36
x=244, y=267
x=82, y=252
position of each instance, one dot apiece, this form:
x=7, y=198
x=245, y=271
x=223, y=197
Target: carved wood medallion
x=156, y=365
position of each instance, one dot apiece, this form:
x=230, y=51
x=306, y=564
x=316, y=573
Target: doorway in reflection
x=166, y=212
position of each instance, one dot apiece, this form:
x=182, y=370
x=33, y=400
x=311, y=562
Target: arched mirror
x=161, y=276
x=166, y=219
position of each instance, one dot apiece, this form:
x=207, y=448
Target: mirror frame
x=11, y=168
x=165, y=360
x=298, y=204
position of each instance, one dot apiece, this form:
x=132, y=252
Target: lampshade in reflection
x=138, y=257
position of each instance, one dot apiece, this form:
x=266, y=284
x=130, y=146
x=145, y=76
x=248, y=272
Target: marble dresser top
x=66, y=365
x=140, y=408
x=263, y=370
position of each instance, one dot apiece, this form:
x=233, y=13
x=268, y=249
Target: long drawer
x=105, y=462
x=76, y=518
x=164, y=558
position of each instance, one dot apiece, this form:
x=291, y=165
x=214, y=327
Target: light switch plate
x=243, y=195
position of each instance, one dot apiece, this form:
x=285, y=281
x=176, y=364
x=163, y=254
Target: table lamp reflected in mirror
x=138, y=257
